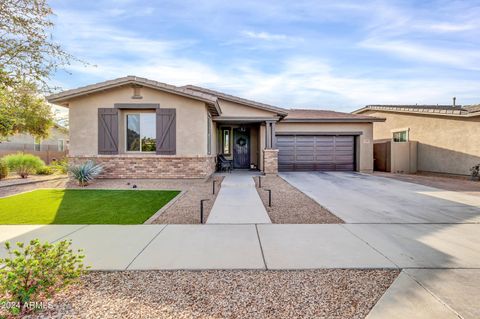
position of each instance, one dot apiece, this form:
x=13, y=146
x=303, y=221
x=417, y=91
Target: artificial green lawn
x=83, y=206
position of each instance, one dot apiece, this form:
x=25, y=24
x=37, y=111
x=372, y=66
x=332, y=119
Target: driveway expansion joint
x=145, y=247
x=73, y=232
x=261, y=247
x=369, y=245
x=433, y=294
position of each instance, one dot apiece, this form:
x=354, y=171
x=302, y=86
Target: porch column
x=270, y=153
x=270, y=142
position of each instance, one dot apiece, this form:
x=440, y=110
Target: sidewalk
x=238, y=202
x=441, y=263
x=265, y=246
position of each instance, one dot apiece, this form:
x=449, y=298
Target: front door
x=241, y=148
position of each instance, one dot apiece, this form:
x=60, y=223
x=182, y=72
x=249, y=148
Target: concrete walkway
x=263, y=246
x=238, y=202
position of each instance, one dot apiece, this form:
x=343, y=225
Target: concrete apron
x=431, y=293
x=238, y=202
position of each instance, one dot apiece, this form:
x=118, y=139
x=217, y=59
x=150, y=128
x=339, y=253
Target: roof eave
x=333, y=120
x=361, y=110
x=61, y=97
x=278, y=111
x=391, y=110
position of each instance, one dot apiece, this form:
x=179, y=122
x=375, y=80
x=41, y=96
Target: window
x=141, y=132
x=36, y=143
x=61, y=145
x=401, y=136
x=226, y=141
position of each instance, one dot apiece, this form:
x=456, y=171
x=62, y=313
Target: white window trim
x=125, y=133
x=398, y=130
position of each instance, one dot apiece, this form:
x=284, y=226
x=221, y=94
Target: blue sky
x=336, y=55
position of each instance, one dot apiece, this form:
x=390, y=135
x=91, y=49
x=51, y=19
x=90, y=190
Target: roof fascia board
x=260, y=107
x=331, y=120
x=417, y=112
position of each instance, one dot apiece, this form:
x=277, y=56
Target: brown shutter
x=166, y=131
x=107, y=131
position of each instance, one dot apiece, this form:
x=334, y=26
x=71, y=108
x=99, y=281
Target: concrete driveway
x=363, y=198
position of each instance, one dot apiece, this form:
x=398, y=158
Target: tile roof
x=232, y=98
x=312, y=115
x=445, y=110
x=211, y=100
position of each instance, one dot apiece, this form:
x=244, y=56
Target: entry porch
x=248, y=143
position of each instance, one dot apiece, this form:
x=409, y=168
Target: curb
x=34, y=181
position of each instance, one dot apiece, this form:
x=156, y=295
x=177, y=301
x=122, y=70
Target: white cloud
x=422, y=35
x=462, y=58
x=264, y=36
x=299, y=79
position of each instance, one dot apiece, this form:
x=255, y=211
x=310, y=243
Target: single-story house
x=139, y=128
x=54, y=147
x=446, y=135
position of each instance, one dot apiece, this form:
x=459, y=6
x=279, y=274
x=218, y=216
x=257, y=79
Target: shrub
x=475, y=171
x=45, y=170
x=85, y=172
x=3, y=169
x=23, y=164
x=36, y=271
x=60, y=166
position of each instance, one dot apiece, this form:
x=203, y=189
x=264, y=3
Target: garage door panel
x=304, y=166
x=316, y=153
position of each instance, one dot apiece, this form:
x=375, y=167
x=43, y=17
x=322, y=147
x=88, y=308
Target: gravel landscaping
x=291, y=206
x=328, y=293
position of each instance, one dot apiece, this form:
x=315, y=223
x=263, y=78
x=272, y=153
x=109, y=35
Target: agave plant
x=85, y=172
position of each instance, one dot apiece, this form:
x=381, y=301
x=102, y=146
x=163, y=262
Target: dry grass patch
x=290, y=205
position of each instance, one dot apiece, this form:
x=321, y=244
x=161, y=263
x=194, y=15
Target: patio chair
x=224, y=164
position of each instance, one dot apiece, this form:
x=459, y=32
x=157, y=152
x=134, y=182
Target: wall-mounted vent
x=137, y=92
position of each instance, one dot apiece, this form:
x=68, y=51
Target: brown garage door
x=316, y=153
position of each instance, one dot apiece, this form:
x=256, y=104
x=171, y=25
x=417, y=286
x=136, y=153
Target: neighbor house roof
x=444, y=110
x=310, y=115
x=236, y=99
x=64, y=96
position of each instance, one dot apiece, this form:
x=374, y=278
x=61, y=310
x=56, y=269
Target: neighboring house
x=140, y=128
x=446, y=135
x=54, y=147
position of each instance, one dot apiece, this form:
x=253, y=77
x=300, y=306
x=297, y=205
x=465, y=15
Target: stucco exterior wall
x=191, y=121
x=364, y=141
x=235, y=109
x=445, y=144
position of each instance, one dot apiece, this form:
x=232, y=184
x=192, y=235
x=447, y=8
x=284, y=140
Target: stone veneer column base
x=270, y=161
x=151, y=166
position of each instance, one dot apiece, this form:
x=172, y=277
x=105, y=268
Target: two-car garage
x=319, y=140
x=303, y=152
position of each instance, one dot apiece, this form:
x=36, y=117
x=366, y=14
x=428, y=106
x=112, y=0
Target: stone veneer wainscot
x=270, y=161
x=151, y=166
